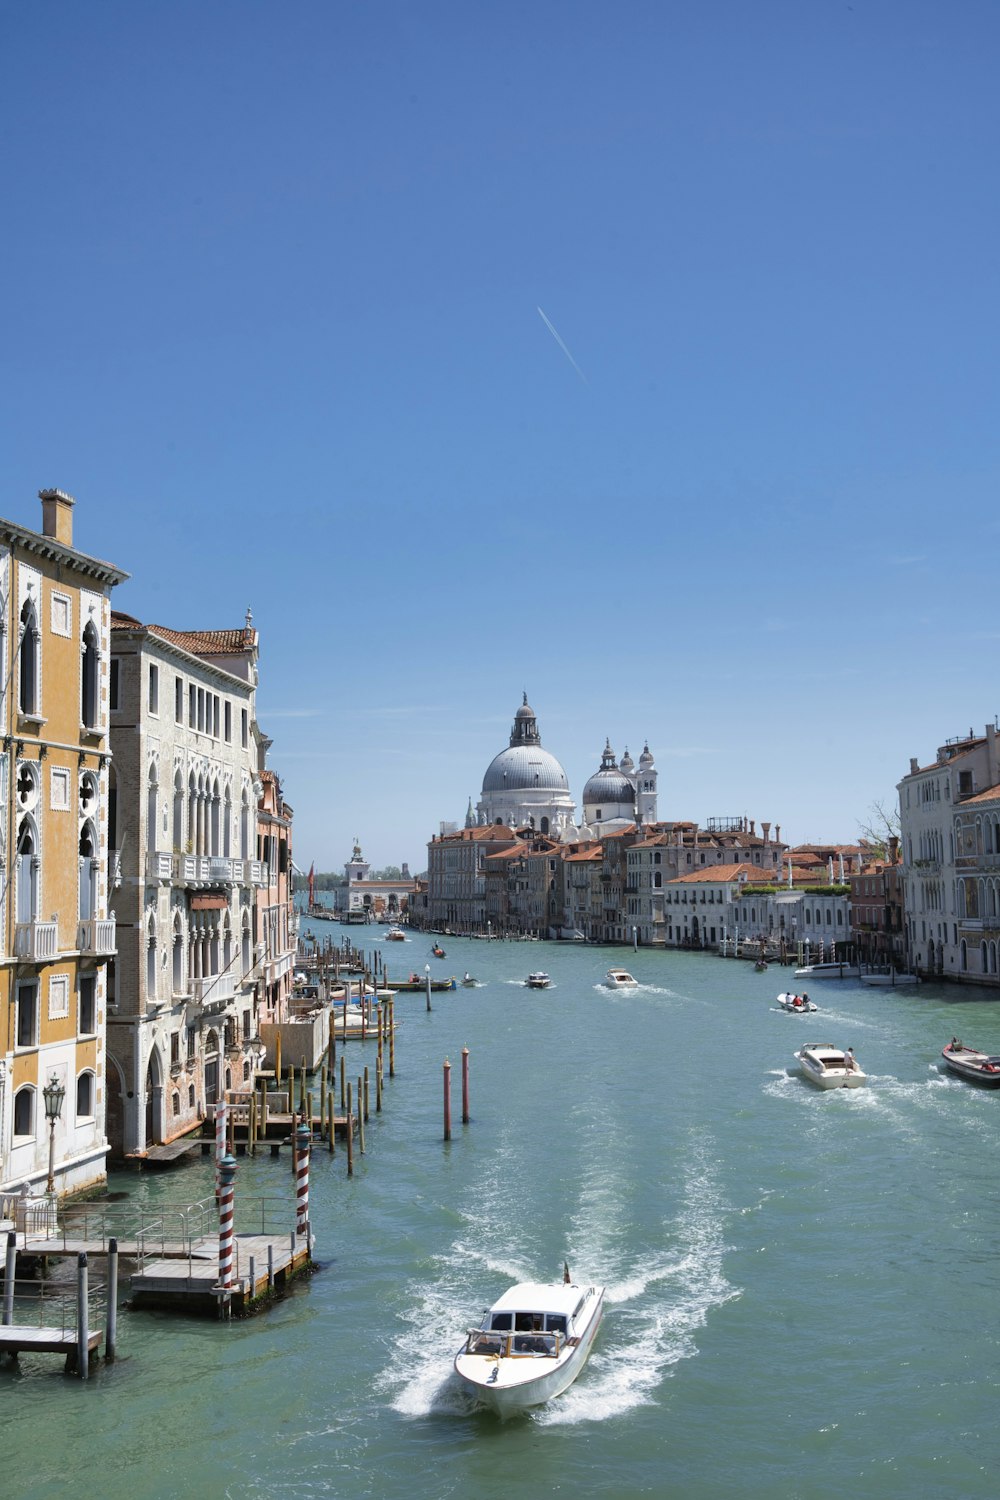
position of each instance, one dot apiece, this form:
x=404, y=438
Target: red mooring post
x=303, y=1141
x=220, y=1142
x=465, y=1085
x=447, y=1100
x=227, y=1177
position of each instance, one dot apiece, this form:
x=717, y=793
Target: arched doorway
x=153, y=1134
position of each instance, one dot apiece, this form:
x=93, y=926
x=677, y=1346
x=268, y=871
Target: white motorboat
x=889, y=977
x=827, y=971
x=538, y=981
x=797, y=1005
x=394, y=935
x=468, y=981
x=620, y=979
x=830, y=1067
x=531, y=1344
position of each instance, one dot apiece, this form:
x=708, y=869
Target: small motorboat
x=760, y=967
x=530, y=1346
x=828, y=970
x=829, y=1067
x=620, y=979
x=437, y=951
x=797, y=1005
x=420, y=982
x=468, y=981
x=538, y=981
x=394, y=935
x=977, y=1067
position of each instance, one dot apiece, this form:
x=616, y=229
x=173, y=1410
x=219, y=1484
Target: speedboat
x=620, y=979
x=394, y=935
x=531, y=1344
x=798, y=1005
x=538, y=981
x=830, y=1068
x=977, y=1067
x=889, y=977
x=469, y=982
x=827, y=971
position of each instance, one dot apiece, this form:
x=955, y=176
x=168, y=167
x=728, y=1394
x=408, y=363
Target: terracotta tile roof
x=583, y=855
x=197, y=642
x=209, y=642
x=990, y=795
x=723, y=874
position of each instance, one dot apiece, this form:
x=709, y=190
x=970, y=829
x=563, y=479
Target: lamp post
x=53, y=1094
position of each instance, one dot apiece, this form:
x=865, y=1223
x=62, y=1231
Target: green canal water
x=802, y=1288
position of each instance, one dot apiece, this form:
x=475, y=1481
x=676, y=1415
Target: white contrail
x=563, y=347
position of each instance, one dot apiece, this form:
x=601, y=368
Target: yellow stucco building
x=55, y=933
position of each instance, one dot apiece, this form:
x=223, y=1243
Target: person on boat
x=955, y=1045
x=468, y=977
x=805, y=998
x=849, y=1062
x=797, y=1001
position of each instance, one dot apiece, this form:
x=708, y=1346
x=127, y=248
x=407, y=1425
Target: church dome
x=607, y=787
x=610, y=786
x=522, y=767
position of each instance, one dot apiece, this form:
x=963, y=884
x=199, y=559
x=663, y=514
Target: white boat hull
x=890, y=980
x=510, y=1386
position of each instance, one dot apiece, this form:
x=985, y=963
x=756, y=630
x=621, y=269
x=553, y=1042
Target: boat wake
x=653, y=1308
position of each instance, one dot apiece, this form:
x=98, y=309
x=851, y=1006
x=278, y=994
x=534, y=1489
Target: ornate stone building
x=55, y=932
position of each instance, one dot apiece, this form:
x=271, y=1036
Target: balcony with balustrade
x=213, y=991
x=36, y=941
x=96, y=937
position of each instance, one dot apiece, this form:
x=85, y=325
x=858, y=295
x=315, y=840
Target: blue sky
x=271, y=314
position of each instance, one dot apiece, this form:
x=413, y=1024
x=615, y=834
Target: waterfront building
x=456, y=874
x=582, y=892
x=699, y=905
x=877, y=910
x=524, y=785
x=183, y=1025
x=56, y=935
x=362, y=899
x=276, y=920
x=522, y=890
x=945, y=858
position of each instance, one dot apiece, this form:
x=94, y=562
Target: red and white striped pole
x=303, y=1140
x=220, y=1143
x=227, y=1174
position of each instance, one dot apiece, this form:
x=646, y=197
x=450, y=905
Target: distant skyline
x=640, y=358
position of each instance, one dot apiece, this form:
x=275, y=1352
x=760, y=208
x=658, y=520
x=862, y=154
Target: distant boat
x=420, y=982
x=394, y=935
x=469, y=982
x=538, y=981
x=828, y=970
x=531, y=1345
x=437, y=952
x=799, y=1005
x=620, y=979
x=889, y=977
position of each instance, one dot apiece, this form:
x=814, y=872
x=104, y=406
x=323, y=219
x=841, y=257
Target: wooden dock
x=45, y=1341
x=190, y=1283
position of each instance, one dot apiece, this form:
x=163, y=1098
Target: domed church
x=525, y=786
x=619, y=794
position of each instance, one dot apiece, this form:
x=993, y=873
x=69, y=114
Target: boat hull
x=511, y=1392
x=889, y=980
x=970, y=1065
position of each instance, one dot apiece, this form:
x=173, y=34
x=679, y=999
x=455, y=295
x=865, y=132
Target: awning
x=205, y=901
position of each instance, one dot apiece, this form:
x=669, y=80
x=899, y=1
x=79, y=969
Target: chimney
x=765, y=829
x=914, y=764
x=777, y=833
x=753, y=822
x=57, y=515
x=893, y=849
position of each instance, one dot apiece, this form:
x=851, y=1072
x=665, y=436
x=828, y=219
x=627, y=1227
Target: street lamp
x=53, y=1094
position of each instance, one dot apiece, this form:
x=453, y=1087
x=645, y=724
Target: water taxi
x=620, y=979
x=538, y=981
x=830, y=1068
x=531, y=1344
